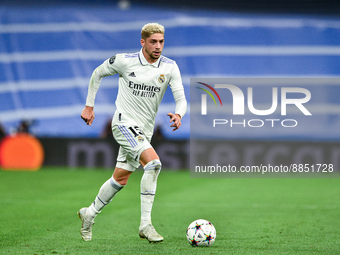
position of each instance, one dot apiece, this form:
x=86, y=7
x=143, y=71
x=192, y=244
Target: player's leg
x=152, y=167
x=106, y=193
x=108, y=190
x=139, y=151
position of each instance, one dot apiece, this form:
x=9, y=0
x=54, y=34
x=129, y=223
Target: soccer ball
x=201, y=233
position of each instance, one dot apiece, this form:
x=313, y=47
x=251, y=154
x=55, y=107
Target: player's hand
x=87, y=115
x=176, y=119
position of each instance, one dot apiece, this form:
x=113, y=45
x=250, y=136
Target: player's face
x=152, y=47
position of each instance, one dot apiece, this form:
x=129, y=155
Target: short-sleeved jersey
x=142, y=85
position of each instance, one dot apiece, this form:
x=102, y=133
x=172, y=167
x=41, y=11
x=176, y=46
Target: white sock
x=107, y=191
x=148, y=187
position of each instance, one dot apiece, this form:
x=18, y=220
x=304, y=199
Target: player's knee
x=155, y=165
x=153, y=168
x=158, y=164
x=122, y=180
x=121, y=175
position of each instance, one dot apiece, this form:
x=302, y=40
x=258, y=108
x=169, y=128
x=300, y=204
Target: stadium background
x=49, y=50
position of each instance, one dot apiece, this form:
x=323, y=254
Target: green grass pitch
x=251, y=215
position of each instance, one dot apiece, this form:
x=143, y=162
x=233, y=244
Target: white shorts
x=132, y=141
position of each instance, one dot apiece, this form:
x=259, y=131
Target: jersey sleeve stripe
x=131, y=55
x=167, y=60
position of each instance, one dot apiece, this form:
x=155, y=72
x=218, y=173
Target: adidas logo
x=132, y=74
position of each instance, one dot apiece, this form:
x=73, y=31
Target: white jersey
x=141, y=86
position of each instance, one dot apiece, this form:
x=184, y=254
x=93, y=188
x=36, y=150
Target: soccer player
x=143, y=79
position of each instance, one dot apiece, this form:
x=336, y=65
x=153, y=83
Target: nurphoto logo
x=295, y=96
x=264, y=126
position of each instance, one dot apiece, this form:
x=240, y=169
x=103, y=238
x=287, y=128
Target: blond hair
x=150, y=29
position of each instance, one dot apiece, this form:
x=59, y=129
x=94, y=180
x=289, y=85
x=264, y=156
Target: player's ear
x=142, y=42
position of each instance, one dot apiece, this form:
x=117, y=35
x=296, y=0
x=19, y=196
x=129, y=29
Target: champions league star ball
x=201, y=233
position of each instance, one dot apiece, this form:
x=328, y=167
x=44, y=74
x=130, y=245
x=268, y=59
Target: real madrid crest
x=140, y=139
x=161, y=78
x=112, y=60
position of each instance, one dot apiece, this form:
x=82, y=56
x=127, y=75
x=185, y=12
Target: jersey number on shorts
x=136, y=131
